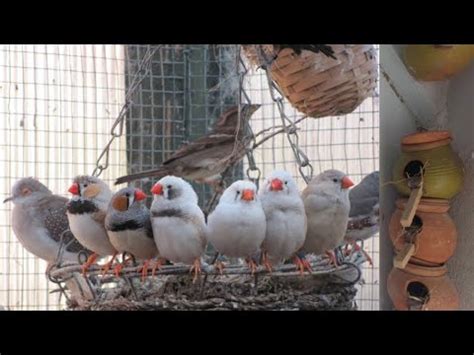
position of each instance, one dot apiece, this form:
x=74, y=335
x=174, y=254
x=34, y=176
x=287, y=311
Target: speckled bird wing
x=53, y=211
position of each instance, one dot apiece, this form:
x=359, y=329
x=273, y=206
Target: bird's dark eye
x=169, y=186
x=127, y=194
x=85, y=185
x=286, y=182
x=335, y=180
x=238, y=192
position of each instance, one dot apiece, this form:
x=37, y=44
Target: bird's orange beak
x=247, y=195
x=346, y=182
x=74, y=189
x=276, y=185
x=139, y=195
x=157, y=189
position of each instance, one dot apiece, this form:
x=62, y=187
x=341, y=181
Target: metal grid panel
x=57, y=105
x=349, y=143
x=187, y=90
x=68, y=101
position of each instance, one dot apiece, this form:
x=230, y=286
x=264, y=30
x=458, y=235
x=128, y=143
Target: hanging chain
x=291, y=129
x=117, y=128
x=253, y=171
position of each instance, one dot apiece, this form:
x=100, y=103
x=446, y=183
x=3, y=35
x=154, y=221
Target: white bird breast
x=237, y=230
x=90, y=234
x=179, y=240
x=286, y=232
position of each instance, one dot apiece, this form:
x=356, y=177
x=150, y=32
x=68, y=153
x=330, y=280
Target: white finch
x=286, y=219
x=326, y=201
x=39, y=221
x=86, y=212
x=129, y=227
x=237, y=225
x=204, y=159
x=179, y=226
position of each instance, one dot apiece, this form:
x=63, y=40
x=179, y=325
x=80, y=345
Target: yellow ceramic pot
x=437, y=62
x=442, y=173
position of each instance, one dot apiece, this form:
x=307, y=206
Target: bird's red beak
x=157, y=189
x=139, y=195
x=346, y=182
x=247, y=195
x=276, y=185
x=74, y=189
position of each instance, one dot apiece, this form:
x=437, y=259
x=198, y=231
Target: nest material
x=236, y=293
x=317, y=85
x=172, y=289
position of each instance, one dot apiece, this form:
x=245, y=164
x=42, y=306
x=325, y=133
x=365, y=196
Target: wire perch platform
x=172, y=288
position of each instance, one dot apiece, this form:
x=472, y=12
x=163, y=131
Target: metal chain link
x=252, y=168
x=291, y=129
x=117, y=128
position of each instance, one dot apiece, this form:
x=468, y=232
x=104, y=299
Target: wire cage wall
x=60, y=102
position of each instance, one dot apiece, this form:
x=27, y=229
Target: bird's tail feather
x=156, y=173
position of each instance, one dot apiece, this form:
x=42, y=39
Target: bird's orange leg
x=144, y=269
x=90, y=261
x=219, y=265
x=196, y=268
x=107, y=266
x=302, y=264
x=119, y=267
x=356, y=247
x=347, y=251
x=266, y=261
x=157, y=265
x=332, y=257
x=251, y=265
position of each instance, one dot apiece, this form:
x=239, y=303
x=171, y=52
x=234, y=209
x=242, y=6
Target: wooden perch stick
x=402, y=258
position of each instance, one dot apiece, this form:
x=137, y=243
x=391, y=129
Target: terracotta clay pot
x=442, y=168
x=436, y=241
x=437, y=62
x=422, y=288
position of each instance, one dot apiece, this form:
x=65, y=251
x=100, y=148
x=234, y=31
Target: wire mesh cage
x=64, y=104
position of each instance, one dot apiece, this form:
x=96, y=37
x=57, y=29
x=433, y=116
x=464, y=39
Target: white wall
x=461, y=124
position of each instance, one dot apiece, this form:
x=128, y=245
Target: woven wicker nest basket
x=317, y=85
x=172, y=287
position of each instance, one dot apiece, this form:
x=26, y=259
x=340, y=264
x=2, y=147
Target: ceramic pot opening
x=413, y=168
x=414, y=229
x=418, y=294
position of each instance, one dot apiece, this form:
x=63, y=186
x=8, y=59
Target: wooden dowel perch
x=402, y=258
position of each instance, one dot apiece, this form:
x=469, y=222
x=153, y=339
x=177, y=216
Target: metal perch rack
x=101, y=289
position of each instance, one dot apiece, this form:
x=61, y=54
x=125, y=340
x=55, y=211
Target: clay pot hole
x=419, y=291
x=413, y=168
